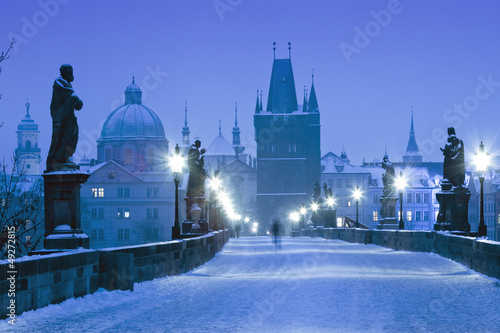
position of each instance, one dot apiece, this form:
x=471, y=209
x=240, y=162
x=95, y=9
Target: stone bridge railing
x=49, y=279
x=478, y=254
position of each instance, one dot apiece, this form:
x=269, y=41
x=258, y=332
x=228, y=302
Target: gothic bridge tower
x=288, y=147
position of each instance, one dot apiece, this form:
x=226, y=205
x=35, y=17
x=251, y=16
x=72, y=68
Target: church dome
x=133, y=120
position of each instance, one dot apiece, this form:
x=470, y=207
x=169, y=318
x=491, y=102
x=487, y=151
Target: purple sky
x=434, y=56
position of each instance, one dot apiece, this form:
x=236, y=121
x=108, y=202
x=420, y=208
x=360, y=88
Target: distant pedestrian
x=276, y=230
x=237, y=228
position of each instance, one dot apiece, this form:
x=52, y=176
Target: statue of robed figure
x=197, y=173
x=64, y=124
x=454, y=162
x=389, y=176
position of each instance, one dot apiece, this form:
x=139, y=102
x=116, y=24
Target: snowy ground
x=311, y=285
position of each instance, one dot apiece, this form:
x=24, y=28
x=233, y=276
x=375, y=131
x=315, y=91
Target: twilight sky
x=373, y=61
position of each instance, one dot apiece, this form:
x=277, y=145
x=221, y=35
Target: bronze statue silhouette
x=64, y=124
x=197, y=173
x=454, y=161
x=389, y=176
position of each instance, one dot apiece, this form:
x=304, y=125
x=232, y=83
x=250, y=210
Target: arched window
x=28, y=145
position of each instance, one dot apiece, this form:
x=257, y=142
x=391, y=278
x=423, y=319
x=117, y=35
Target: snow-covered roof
x=220, y=147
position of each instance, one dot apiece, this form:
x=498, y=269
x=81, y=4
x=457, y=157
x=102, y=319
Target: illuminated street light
x=314, y=206
x=330, y=201
x=401, y=185
x=482, y=160
x=176, y=164
x=357, y=195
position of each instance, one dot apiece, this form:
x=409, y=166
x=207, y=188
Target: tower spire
x=289, y=50
x=235, y=114
x=257, y=108
x=260, y=105
x=220, y=127
x=274, y=50
x=133, y=78
x=304, y=103
x=412, y=153
x=313, y=102
x=236, y=131
x=185, y=129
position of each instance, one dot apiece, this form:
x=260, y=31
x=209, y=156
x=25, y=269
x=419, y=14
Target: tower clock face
x=28, y=166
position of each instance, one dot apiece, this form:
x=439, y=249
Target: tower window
x=28, y=145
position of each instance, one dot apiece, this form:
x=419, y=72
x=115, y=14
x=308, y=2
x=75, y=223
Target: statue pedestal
x=388, y=220
x=195, y=222
x=62, y=210
x=453, y=209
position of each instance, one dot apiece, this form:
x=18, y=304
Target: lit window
x=408, y=215
x=339, y=222
x=120, y=213
x=98, y=192
x=150, y=156
x=129, y=156
x=348, y=203
x=436, y=213
x=126, y=213
x=375, y=216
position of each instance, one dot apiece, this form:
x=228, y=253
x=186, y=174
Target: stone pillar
x=62, y=210
x=453, y=209
x=199, y=204
x=388, y=219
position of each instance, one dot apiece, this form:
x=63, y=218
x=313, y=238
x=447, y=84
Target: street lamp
x=295, y=217
x=176, y=163
x=357, y=195
x=481, y=160
x=400, y=185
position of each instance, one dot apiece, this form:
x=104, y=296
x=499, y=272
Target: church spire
x=220, y=127
x=260, y=105
x=185, y=129
x=257, y=108
x=304, y=104
x=238, y=149
x=313, y=102
x=412, y=153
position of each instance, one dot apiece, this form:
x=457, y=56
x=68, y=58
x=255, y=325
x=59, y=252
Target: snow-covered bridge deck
x=311, y=285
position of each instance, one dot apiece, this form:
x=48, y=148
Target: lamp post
x=330, y=202
x=176, y=163
x=357, y=196
x=400, y=185
x=295, y=217
x=303, y=212
x=481, y=161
